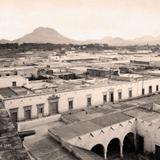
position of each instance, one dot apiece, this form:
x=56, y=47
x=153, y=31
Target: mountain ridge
x=49, y=35
x=44, y=35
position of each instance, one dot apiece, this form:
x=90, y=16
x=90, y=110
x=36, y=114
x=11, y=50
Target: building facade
x=37, y=105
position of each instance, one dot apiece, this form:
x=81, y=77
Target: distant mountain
x=147, y=40
x=44, y=35
x=49, y=35
x=3, y=41
x=115, y=41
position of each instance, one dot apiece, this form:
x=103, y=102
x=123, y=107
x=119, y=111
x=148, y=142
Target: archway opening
x=98, y=149
x=129, y=144
x=113, y=149
x=140, y=143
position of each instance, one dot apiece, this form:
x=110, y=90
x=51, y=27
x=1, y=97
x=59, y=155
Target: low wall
x=36, y=122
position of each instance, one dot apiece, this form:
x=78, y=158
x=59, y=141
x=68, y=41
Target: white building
x=63, y=96
x=13, y=80
x=117, y=133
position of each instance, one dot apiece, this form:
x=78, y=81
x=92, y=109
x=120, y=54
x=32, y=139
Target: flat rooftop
x=132, y=75
x=56, y=86
x=147, y=100
x=60, y=85
x=154, y=71
x=149, y=109
x=36, y=85
x=145, y=115
x=14, y=91
x=77, y=129
x=48, y=149
x=16, y=68
x=78, y=84
x=111, y=119
x=103, y=116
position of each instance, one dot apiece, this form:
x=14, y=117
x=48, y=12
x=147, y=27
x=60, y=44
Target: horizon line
x=86, y=39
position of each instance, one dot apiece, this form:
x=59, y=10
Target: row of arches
x=114, y=147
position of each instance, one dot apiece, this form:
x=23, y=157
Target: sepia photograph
x=79, y=79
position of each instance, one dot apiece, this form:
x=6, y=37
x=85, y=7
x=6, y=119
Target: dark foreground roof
x=11, y=147
x=49, y=149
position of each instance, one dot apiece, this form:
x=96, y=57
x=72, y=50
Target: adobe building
x=132, y=133
x=13, y=81
x=43, y=100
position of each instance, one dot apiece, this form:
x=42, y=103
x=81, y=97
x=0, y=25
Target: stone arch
x=98, y=149
x=129, y=143
x=114, y=148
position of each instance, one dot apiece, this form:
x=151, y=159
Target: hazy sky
x=81, y=19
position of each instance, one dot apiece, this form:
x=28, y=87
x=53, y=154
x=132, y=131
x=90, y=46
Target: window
x=27, y=112
x=157, y=88
x=89, y=101
x=119, y=95
x=130, y=93
x=14, y=114
x=40, y=110
x=70, y=103
x=143, y=91
x=104, y=98
x=150, y=89
x=14, y=83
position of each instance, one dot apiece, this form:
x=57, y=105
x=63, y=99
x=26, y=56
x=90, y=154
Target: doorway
x=140, y=144
x=53, y=108
x=111, y=96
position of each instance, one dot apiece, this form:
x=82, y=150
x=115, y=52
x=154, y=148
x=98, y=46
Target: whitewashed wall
x=80, y=96
x=7, y=81
x=150, y=132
